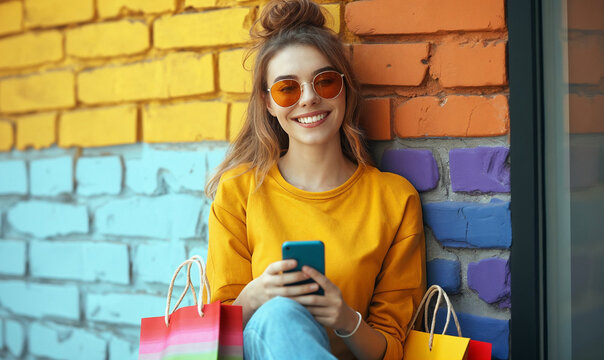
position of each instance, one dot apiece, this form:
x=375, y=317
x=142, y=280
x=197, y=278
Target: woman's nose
x=308, y=96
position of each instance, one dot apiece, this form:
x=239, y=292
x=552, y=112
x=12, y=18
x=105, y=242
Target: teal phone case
x=310, y=253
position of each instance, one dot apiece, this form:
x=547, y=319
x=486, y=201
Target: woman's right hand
x=272, y=283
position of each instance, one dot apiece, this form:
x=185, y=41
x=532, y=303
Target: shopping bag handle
x=434, y=289
x=203, y=281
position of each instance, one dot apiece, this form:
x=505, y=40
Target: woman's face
x=313, y=120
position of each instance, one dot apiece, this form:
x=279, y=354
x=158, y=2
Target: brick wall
x=113, y=112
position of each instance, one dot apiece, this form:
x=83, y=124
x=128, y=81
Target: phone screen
x=310, y=253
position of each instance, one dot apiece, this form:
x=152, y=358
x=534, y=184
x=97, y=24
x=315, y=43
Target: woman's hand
x=330, y=309
x=272, y=283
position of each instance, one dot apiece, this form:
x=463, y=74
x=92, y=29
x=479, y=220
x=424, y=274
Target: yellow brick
x=237, y=118
x=190, y=121
x=31, y=49
x=50, y=90
x=98, y=126
x=37, y=131
x=107, y=8
x=6, y=136
x=200, y=3
x=233, y=76
x=333, y=16
x=57, y=12
x=11, y=17
x=178, y=74
x=218, y=27
x=108, y=39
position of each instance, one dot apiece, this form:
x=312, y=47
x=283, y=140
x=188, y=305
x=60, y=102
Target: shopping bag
x=429, y=346
x=479, y=350
x=210, y=331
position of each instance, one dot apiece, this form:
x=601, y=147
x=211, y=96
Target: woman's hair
x=262, y=140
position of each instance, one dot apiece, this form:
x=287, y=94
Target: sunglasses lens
x=285, y=92
x=328, y=84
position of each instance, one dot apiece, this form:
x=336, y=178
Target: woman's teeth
x=312, y=119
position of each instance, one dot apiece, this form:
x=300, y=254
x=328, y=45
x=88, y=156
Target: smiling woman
x=299, y=171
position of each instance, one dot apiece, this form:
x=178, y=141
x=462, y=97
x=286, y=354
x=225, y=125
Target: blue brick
x=446, y=273
x=99, y=175
x=165, y=217
x=87, y=261
x=44, y=219
x=12, y=257
x=13, y=177
x=494, y=331
x=126, y=309
x=156, y=262
x=62, y=342
x=38, y=300
x=50, y=177
x=122, y=350
x=470, y=225
x=216, y=156
x=15, y=337
x=180, y=170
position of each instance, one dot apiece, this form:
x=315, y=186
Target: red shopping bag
x=479, y=350
x=211, y=331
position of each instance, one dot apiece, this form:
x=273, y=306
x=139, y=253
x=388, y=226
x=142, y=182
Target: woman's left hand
x=330, y=309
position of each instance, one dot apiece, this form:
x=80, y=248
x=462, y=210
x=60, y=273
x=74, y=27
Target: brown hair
x=261, y=139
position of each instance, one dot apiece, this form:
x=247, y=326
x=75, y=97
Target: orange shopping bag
x=429, y=346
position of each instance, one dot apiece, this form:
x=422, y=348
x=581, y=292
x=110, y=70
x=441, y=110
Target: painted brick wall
x=113, y=112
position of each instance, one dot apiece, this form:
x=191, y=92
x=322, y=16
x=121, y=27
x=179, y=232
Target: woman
x=299, y=171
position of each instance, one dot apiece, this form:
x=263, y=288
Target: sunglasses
x=327, y=84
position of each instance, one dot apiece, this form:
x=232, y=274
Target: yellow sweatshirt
x=371, y=226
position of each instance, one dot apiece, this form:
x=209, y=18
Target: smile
x=311, y=119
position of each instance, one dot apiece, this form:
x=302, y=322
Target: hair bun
x=282, y=15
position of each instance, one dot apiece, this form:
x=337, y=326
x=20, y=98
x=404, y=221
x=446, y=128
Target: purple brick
x=494, y=331
x=490, y=278
x=470, y=225
x=482, y=169
x=417, y=166
x=445, y=273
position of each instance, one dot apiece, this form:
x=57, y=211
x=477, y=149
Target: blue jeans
x=284, y=329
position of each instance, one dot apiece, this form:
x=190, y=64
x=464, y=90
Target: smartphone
x=310, y=253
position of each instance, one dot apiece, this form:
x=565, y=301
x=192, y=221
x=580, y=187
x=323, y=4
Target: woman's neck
x=316, y=168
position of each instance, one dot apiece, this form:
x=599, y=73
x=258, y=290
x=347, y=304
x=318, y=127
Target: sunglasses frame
x=302, y=89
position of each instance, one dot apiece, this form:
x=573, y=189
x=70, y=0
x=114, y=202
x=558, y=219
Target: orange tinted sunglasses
x=287, y=92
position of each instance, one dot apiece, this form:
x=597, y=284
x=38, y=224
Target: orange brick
x=586, y=14
x=375, y=17
x=586, y=114
x=469, y=64
x=585, y=57
x=390, y=64
x=6, y=135
x=457, y=116
x=375, y=118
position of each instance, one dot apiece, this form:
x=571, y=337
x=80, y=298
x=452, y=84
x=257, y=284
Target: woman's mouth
x=311, y=119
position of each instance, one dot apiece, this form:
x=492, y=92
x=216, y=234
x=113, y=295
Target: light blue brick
x=99, y=175
x=15, y=337
x=38, y=300
x=126, y=309
x=13, y=177
x=120, y=349
x=446, y=273
x=87, y=261
x=180, y=170
x=44, y=219
x=165, y=217
x=156, y=262
x=470, y=225
x=62, y=342
x=201, y=250
x=50, y=177
x=480, y=328
x=216, y=156
x=1, y=335
x=12, y=257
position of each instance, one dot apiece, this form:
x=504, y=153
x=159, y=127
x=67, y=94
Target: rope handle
x=203, y=281
x=434, y=289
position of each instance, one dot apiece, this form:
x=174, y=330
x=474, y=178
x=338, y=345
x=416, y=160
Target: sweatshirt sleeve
x=229, y=259
x=401, y=282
